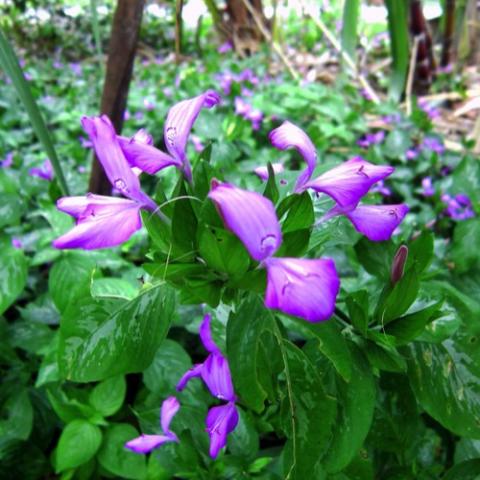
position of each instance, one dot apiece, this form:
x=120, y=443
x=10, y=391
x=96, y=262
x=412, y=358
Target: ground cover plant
x=255, y=258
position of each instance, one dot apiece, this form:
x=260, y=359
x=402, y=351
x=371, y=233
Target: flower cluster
x=221, y=419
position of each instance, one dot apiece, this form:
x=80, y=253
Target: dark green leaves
x=13, y=274
x=123, y=342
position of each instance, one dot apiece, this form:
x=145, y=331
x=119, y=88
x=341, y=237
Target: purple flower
x=220, y=422
x=84, y=142
x=215, y=372
x=349, y=181
x=371, y=139
x=101, y=222
x=76, y=68
x=302, y=287
x=45, y=171
x=392, y=119
x=411, y=153
x=107, y=147
x=381, y=188
x=427, y=187
x=255, y=116
x=262, y=172
x=433, y=144
x=197, y=143
x=225, y=47
x=376, y=222
x=250, y=216
x=17, y=243
x=242, y=108
x=429, y=109
x=148, y=104
x=225, y=82
x=146, y=443
x=289, y=135
x=179, y=122
x=7, y=161
x=458, y=207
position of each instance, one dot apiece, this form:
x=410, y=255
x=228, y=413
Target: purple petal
x=179, y=122
x=146, y=443
x=206, y=335
x=7, y=162
x=170, y=407
x=104, y=222
x=302, y=287
x=45, y=171
x=195, y=371
x=216, y=374
x=350, y=181
x=220, y=422
x=289, y=135
x=377, y=222
x=145, y=156
x=104, y=139
x=242, y=108
x=250, y=216
x=262, y=172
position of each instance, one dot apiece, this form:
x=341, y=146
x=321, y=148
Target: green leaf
x=70, y=278
x=68, y=405
x=107, y=397
x=11, y=209
x=13, y=274
x=17, y=413
x=124, y=342
x=333, y=345
x=244, y=330
x=465, y=471
x=271, y=189
x=444, y=379
x=420, y=251
x=376, y=257
x=300, y=212
x=116, y=459
x=113, y=288
x=244, y=441
x=465, y=236
x=399, y=44
x=407, y=328
x=223, y=251
x=184, y=223
x=350, y=20
x=309, y=425
x=78, y=443
x=356, y=403
x=358, y=304
x=396, y=301
x=10, y=65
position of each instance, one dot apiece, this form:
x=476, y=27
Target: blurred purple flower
x=428, y=190
x=147, y=443
x=458, y=207
x=58, y=65
x=76, y=68
x=7, y=161
x=17, y=243
x=197, y=143
x=262, y=172
x=225, y=47
x=148, y=104
x=381, y=188
x=139, y=116
x=392, y=119
x=242, y=108
x=168, y=92
x=85, y=142
x=433, y=144
x=431, y=111
x=126, y=115
x=411, y=153
x=371, y=139
x=45, y=171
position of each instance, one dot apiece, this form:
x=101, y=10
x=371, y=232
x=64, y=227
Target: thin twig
x=411, y=74
x=264, y=31
x=345, y=56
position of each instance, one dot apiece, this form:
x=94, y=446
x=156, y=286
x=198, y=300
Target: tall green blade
x=351, y=10
x=399, y=44
x=96, y=27
x=9, y=63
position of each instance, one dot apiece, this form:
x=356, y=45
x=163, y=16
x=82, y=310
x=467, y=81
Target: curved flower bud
x=146, y=443
x=289, y=135
x=179, y=122
x=104, y=139
x=101, y=221
x=350, y=181
x=220, y=422
x=194, y=372
x=250, y=216
x=302, y=287
x=376, y=222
